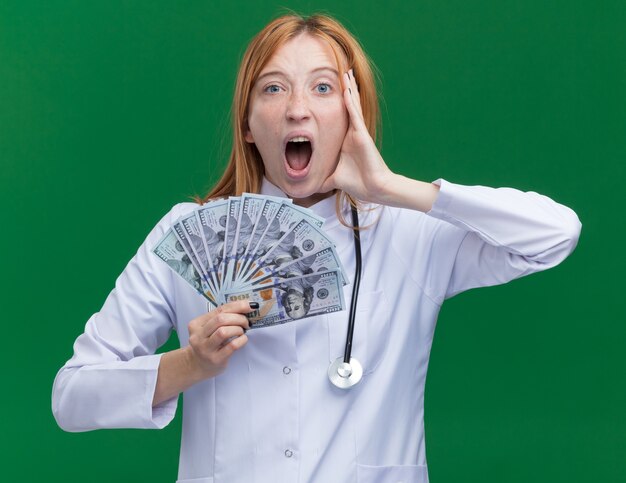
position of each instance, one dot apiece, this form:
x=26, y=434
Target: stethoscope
x=344, y=372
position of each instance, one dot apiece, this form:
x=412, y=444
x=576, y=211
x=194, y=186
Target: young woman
x=259, y=406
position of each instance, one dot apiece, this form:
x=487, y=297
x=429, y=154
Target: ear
x=247, y=133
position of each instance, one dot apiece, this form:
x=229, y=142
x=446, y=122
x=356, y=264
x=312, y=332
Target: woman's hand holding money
x=216, y=335
x=363, y=173
x=213, y=339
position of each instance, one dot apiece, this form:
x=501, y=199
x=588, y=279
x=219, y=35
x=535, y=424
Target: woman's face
x=298, y=95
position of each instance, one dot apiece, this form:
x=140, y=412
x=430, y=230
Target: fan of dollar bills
x=261, y=249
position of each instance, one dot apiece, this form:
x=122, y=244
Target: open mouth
x=298, y=153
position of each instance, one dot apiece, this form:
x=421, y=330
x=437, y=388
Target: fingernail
x=254, y=305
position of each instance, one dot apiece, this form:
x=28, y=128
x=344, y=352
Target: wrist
x=404, y=192
x=196, y=368
x=382, y=187
x=388, y=188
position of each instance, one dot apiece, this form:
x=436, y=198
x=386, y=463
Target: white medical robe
x=273, y=416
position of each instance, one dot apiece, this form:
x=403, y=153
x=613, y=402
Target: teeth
x=299, y=139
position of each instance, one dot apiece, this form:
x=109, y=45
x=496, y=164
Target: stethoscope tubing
x=355, y=289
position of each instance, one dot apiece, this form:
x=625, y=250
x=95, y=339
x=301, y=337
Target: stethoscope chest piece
x=344, y=375
x=341, y=373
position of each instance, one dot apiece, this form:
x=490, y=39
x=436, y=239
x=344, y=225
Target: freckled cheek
x=274, y=117
x=272, y=112
x=264, y=121
x=339, y=122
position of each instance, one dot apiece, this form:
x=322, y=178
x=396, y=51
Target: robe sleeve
x=110, y=380
x=499, y=234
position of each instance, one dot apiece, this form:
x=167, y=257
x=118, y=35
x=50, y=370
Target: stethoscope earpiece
x=345, y=375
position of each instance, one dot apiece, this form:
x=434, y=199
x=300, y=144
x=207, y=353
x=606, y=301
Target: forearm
x=178, y=371
x=403, y=192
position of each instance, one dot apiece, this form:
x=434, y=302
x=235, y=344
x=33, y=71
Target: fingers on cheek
x=355, y=86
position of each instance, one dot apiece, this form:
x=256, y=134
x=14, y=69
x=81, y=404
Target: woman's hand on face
x=361, y=170
x=216, y=335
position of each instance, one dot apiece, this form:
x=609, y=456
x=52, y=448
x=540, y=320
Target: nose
x=297, y=107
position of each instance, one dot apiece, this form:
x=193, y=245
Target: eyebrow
x=282, y=74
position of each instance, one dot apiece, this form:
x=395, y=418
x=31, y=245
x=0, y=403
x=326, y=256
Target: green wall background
x=112, y=111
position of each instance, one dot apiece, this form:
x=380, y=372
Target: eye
x=323, y=88
x=272, y=89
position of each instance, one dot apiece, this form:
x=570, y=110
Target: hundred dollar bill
x=194, y=237
x=303, y=239
x=181, y=236
x=322, y=261
x=234, y=204
x=171, y=251
x=287, y=217
x=293, y=298
x=212, y=218
x=249, y=212
x=266, y=218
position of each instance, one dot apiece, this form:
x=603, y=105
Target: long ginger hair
x=245, y=170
